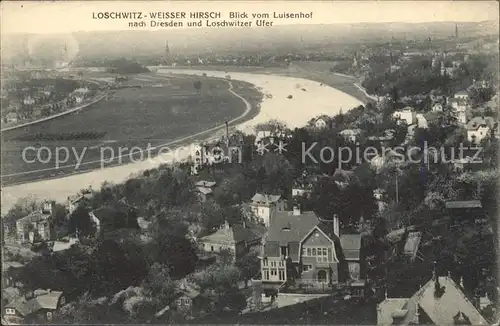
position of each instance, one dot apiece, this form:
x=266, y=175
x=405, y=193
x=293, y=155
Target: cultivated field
x=154, y=110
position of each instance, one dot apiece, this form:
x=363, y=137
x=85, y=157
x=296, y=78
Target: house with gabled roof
x=188, y=297
x=461, y=95
x=36, y=225
x=237, y=238
x=351, y=135
x=75, y=200
x=39, y=305
x=264, y=206
x=205, y=189
x=479, y=128
x=439, y=302
x=302, y=249
x=406, y=115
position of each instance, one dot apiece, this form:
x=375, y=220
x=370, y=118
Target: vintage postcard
x=231, y=162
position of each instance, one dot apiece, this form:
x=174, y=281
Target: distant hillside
x=137, y=44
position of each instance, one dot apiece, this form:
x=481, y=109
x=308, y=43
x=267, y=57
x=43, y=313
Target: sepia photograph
x=250, y=162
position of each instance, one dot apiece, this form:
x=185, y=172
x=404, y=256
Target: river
x=292, y=100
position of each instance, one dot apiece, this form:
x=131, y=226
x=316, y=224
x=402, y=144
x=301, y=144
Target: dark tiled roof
x=286, y=227
x=464, y=204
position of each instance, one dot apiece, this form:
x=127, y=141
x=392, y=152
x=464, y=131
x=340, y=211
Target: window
x=281, y=264
x=322, y=255
x=212, y=248
x=282, y=275
x=10, y=311
x=309, y=254
x=313, y=251
x=273, y=272
x=273, y=264
x=264, y=262
x=306, y=268
x=266, y=274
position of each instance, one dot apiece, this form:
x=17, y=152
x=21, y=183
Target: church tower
x=167, y=59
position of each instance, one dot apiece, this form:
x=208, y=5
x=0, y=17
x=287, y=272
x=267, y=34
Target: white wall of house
x=406, y=115
x=300, y=192
x=438, y=107
x=478, y=135
x=216, y=247
x=263, y=212
x=462, y=117
x=320, y=124
x=273, y=270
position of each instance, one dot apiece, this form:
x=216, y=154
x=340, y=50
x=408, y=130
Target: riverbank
x=316, y=99
x=58, y=115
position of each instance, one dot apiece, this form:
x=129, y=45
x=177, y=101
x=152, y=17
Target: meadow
x=163, y=109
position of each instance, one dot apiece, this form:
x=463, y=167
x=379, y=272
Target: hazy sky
x=57, y=17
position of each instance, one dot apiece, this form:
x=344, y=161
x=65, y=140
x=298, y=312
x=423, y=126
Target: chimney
x=226, y=225
x=336, y=225
x=296, y=210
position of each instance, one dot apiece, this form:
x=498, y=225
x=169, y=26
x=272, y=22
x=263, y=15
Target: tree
x=170, y=246
x=249, y=266
x=197, y=85
x=349, y=203
x=475, y=252
x=159, y=286
x=220, y=283
x=81, y=223
x=273, y=125
x=116, y=266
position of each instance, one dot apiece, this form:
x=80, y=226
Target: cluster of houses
x=477, y=128
x=39, y=100
x=295, y=246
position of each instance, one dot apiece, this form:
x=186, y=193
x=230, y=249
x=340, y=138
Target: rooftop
x=44, y=299
x=231, y=235
x=463, y=204
x=476, y=122
x=351, y=246
x=206, y=184
x=265, y=199
x=442, y=310
x=33, y=217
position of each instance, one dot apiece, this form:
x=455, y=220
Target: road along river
x=292, y=100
